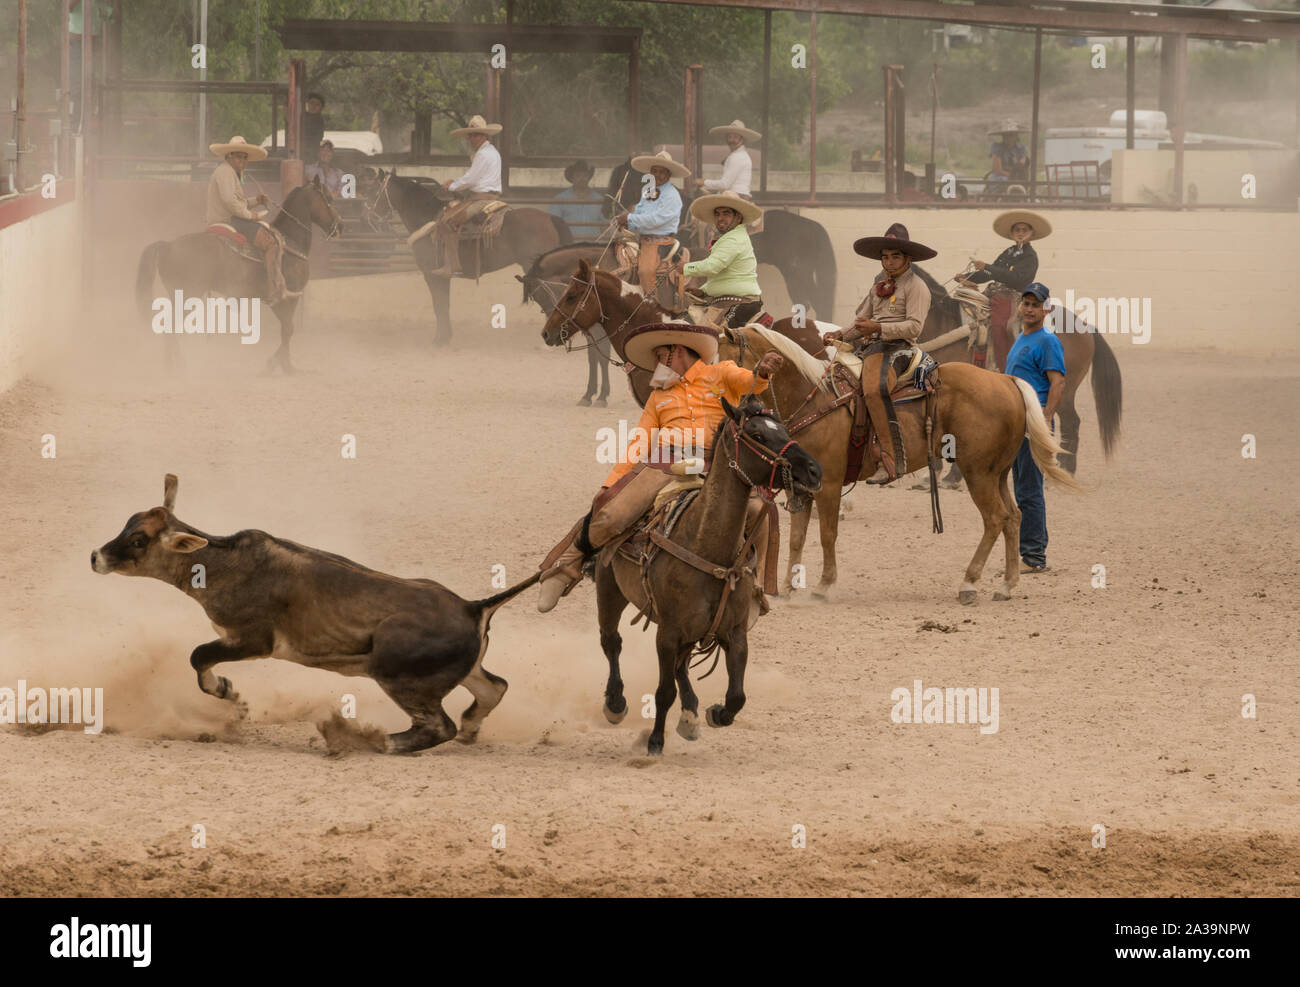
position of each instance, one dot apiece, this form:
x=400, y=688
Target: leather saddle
x=476, y=218
x=237, y=240
x=915, y=381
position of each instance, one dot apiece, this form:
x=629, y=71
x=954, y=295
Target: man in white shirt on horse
x=482, y=181
x=737, y=168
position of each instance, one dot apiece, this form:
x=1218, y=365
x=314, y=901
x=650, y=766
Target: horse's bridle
x=776, y=460
x=335, y=229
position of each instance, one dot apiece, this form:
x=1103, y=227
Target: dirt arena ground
x=1119, y=707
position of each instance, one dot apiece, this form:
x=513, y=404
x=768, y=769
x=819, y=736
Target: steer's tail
x=493, y=603
x=1042, y=444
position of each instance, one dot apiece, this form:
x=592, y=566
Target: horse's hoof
x=716, y=716
x=615, y=716
x=600, y=403
x=688, y=725
x=584, y=402
x=999, y=595
x=966, y=597
x=440, y=342
x=467, y=738
x=655, y=748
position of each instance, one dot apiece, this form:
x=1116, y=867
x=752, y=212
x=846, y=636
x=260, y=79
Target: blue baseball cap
x=1038, y=290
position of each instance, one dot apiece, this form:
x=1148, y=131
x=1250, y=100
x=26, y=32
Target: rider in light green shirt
x=731, y=292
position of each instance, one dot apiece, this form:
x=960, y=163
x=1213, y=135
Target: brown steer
x=272, y=598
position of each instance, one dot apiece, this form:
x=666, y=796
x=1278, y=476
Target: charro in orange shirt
x=687, y=411
x=686, y=403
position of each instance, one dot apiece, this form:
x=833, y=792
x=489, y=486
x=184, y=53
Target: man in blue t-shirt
x=1036, y=357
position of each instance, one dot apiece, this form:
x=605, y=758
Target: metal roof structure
x=1077, y=16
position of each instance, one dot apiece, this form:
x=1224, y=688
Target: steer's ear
x=181, y=541
x=169, y=491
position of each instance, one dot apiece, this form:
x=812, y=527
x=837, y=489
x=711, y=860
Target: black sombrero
x=895, y=238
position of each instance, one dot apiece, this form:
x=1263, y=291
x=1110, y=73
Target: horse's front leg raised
x=737, y=649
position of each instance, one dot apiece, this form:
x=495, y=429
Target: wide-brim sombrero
x=702, y=208
x=736, y=127
x=895, y=238
x=477, y=125
x=642, y=341
x=644, y=162
x=1002, y=225
x=1008, y=126
x=254, y=152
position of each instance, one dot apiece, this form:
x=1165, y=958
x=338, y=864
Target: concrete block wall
x=40, y=285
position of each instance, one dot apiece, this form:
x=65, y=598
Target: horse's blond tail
x=1042, y=443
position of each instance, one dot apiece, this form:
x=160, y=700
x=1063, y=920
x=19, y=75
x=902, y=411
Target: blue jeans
x=1033, y=510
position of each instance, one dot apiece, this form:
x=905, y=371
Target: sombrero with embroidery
x=1002, y=225
x=736, y=127
x=644, y=162
x=254, y=152
x=895, y=238
x=702, y=208
x=642, y=341
x=477, y=125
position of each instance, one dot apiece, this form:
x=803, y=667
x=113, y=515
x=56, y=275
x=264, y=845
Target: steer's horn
x=169, y=491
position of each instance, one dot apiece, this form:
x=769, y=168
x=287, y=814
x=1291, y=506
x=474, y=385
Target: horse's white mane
x=812, y=369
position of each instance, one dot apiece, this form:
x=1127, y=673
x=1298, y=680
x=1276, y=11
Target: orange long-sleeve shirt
x=694, y=402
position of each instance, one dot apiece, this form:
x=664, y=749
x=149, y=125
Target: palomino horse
x=988, y=415
x=208, y=263
x=800, y=248
x=525, y=233
x=709, y=599
x=1084, y=349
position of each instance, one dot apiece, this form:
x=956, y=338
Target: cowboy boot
x=558, y=580
x=450, y=244
x=269, y=244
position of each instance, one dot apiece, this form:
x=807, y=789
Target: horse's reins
x=334, y=228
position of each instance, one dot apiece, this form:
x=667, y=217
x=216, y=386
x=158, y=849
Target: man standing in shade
x=1036, y=357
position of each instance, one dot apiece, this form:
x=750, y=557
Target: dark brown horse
x=206, y=263
x=525, y=233
x=690, y=604
x=598, y=297
x=545, y=281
